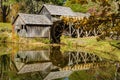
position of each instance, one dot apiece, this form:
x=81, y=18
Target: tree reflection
x=4, y=66
x=85, y=66
x=57, y=57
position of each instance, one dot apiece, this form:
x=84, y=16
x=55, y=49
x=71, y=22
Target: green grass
x=115, y=44
x=105, y=72
x=101, y=48
x=81, y=75
x=7, y=26
x=5, y=32
x=43, y=40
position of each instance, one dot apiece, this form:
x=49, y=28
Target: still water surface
x=52, y=64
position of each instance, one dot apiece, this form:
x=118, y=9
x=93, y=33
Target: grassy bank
x=6, y=26
x=5, y=32
x=106, y=48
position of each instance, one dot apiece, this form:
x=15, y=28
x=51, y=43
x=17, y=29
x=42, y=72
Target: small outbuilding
x=32, y=25
x=54, y=12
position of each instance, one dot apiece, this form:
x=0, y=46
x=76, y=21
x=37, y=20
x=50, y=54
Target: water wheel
x=56, y=31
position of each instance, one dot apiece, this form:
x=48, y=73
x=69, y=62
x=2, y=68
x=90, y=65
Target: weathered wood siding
x=38, y=31
x=31, y=31
x=44, y=11
x=33, y=56
x=18, y=24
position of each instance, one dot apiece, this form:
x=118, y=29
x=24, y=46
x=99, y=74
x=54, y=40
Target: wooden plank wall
x=38, y=31
x=44, y=11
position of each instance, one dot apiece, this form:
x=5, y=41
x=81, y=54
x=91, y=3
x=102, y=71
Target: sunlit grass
x=102, y=48
x=5, y=32
x=5, y=25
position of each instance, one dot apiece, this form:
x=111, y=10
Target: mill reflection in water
x=50, y=64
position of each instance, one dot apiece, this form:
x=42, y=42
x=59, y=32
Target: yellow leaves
x=116, y=28
x=77, y=21
x=15, y=9
x=106, y=0
x=77, y=26
x=101, y=0
x=84, y=21
x=78, y=1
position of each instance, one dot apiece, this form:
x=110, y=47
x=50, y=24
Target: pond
x=50, y=63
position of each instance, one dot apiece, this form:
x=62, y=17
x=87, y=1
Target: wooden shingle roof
x=33, y=19
x=58, y=75
x=82, y=15
x=59, y=10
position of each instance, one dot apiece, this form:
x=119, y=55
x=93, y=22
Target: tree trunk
x=70, y=25
x=4, y=17
x=5, y=11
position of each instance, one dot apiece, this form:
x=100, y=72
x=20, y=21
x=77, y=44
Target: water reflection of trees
x=100, y=73
x=4, y=49
x=31, y=76
x=57, y=57
x=4, y=66
x=69, y=60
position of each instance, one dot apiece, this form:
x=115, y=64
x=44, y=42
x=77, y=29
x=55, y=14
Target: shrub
x=4, y=37
x=5, y=27
x=43, y=40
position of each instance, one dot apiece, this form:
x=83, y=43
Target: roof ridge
x=58, y=10
x=30, y=14
x=34, y=19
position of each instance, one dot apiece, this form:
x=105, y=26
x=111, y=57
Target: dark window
x=25, y=28
x=22, y=26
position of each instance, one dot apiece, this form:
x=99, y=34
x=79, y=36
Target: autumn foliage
x=103, y=21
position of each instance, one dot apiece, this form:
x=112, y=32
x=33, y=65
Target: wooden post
x=49, y=32
x=78, y=33
x=70, y=29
